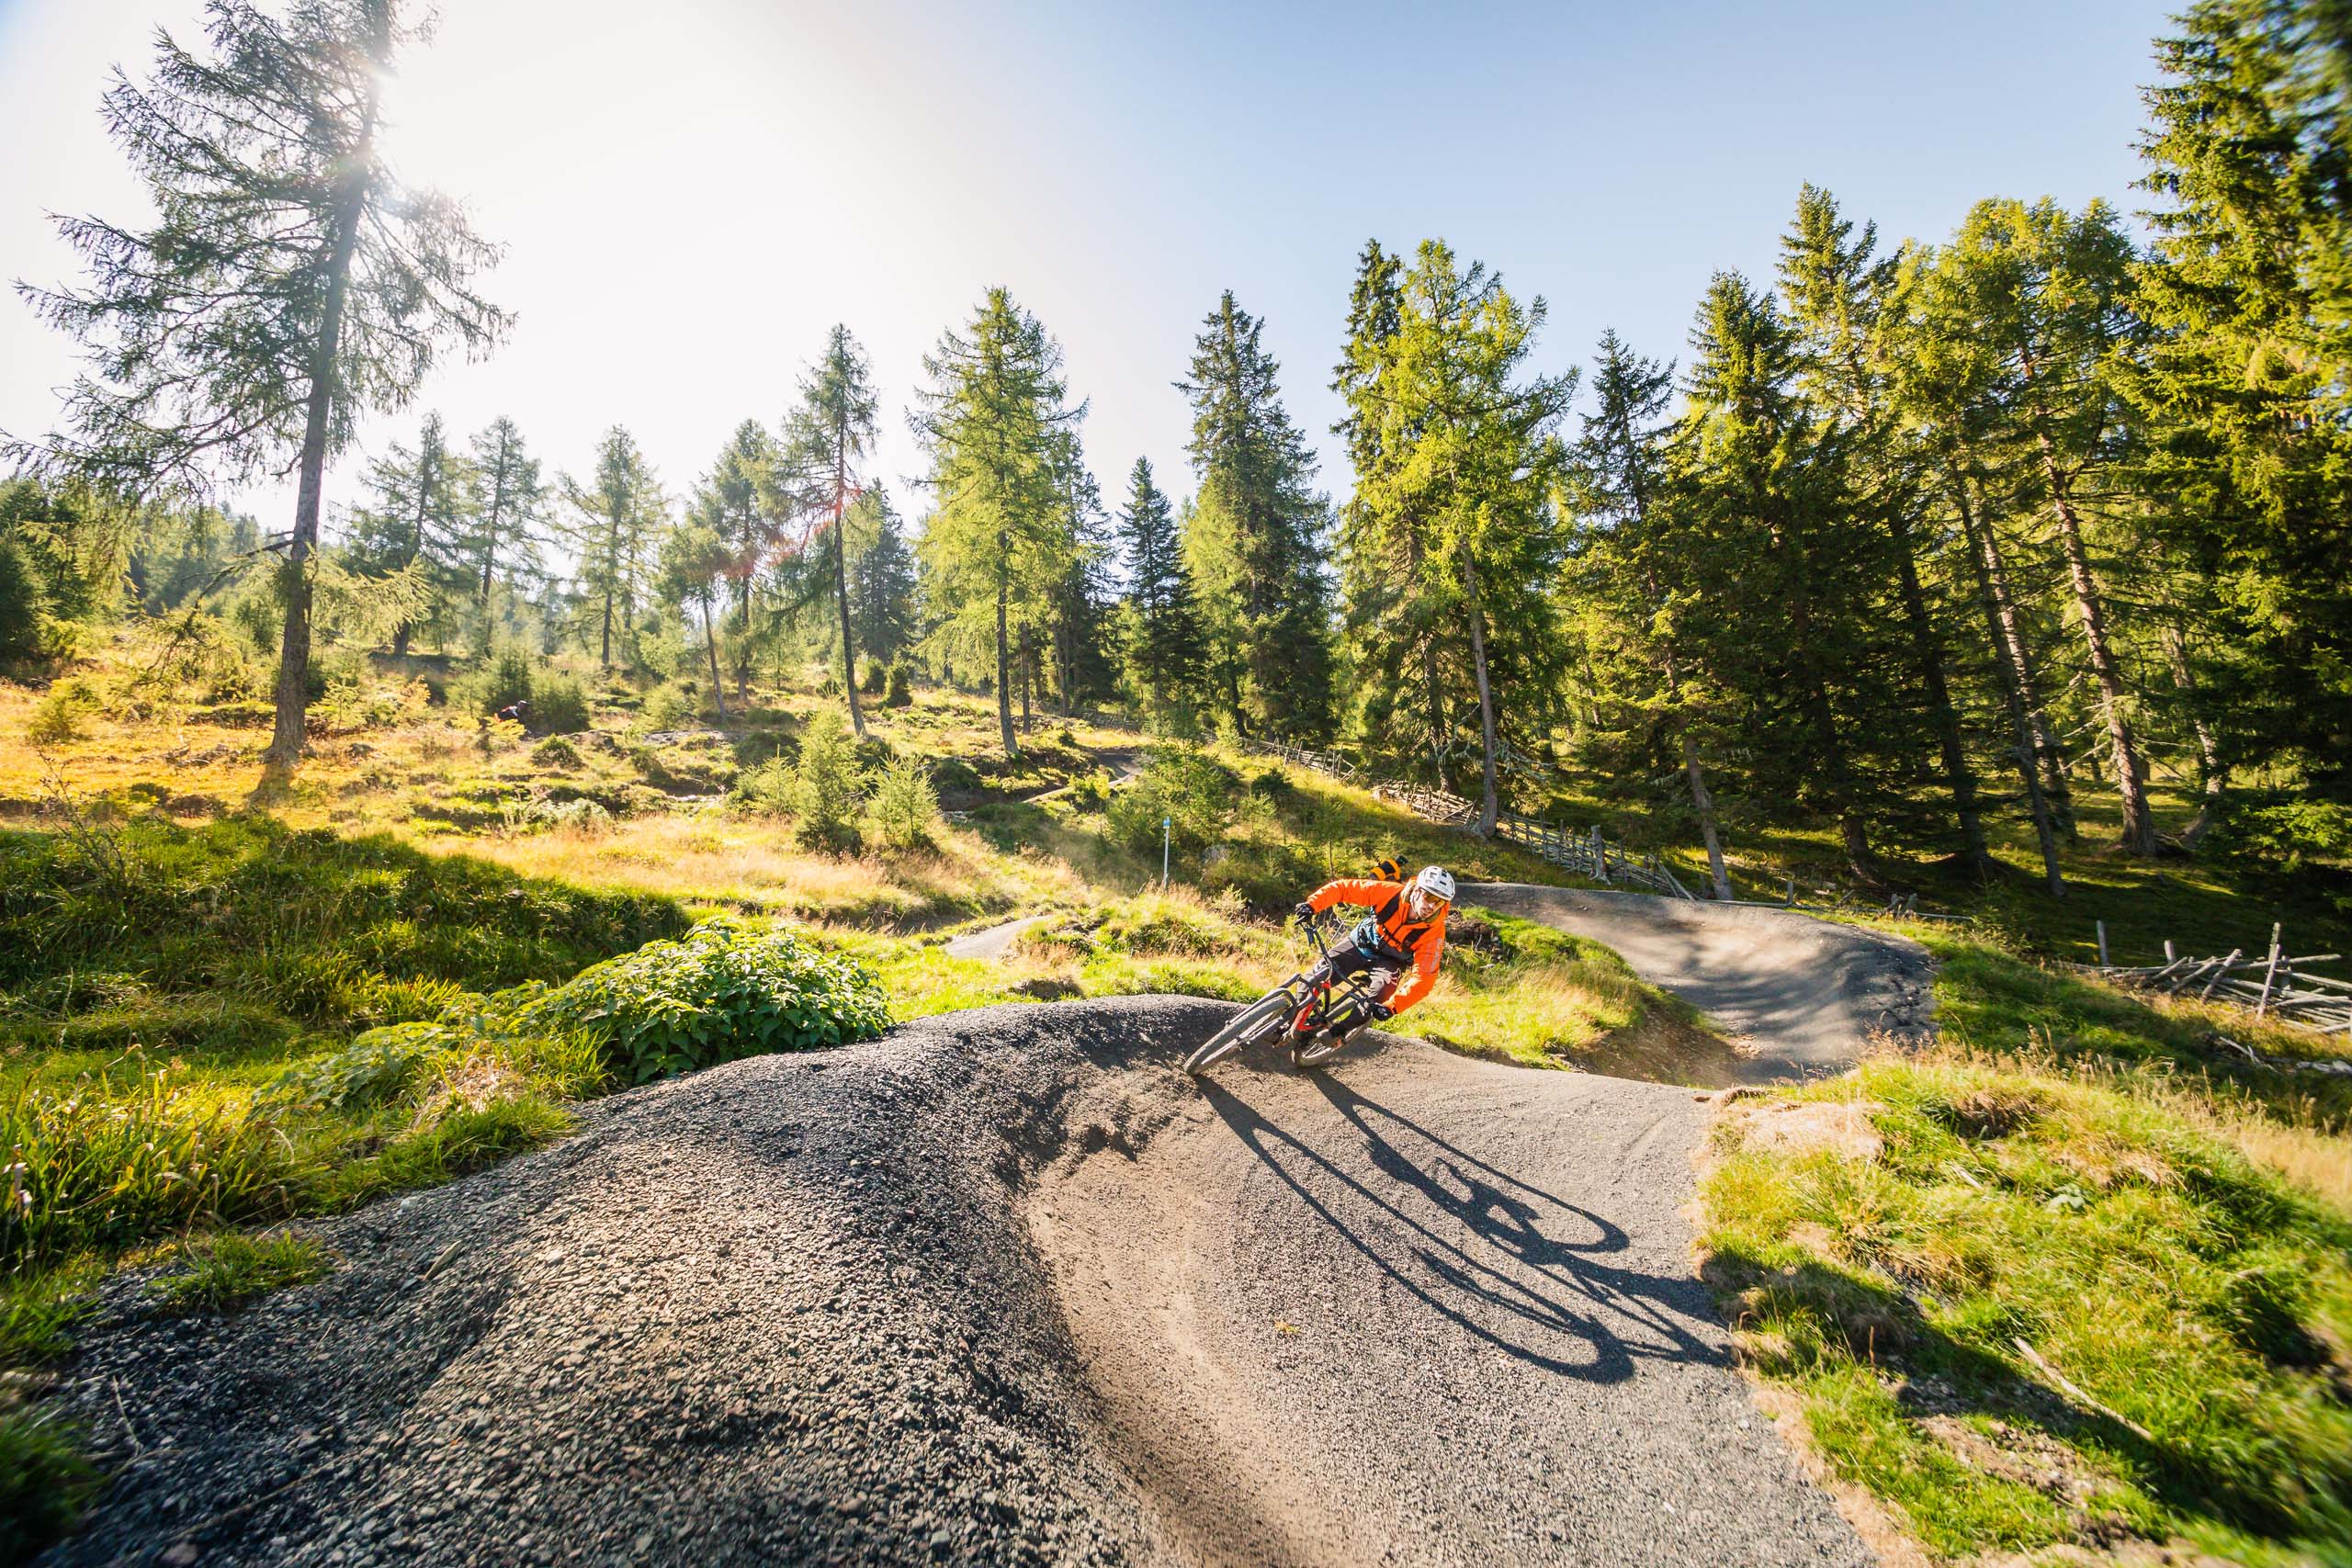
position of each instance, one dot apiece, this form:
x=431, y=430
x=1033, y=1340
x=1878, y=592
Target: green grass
x=44, y=1481
x=229, y=1269
x=2060, y=1174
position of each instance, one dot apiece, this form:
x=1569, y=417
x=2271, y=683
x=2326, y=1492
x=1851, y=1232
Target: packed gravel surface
x=1802, y=993
x=1003, y=1287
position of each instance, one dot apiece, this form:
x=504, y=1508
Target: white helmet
x=1435, y=881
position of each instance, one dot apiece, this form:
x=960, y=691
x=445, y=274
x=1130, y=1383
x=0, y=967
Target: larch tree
x=616, y=524
x=826, y=440
x=289, y=283
x=416, y=519
x=510, y=504
x=736, y=501
x=1256, y=478
x=881, y=577
x=994, y=545
x=694, y=561
x=1836, y=290
x=1476, y=459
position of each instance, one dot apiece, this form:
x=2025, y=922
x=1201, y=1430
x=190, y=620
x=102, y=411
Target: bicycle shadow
x=1514, y=1273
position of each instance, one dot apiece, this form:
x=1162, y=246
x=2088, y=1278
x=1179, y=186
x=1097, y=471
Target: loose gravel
x=1003, y=1287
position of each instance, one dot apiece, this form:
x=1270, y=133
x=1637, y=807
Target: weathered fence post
x=2268, y=975
x=2103, y=942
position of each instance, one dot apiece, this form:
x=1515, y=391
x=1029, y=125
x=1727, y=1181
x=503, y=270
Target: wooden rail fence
x=2274, y=985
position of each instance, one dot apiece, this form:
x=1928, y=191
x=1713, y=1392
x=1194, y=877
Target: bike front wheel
x=1315, y=1049
x=1243, y=1029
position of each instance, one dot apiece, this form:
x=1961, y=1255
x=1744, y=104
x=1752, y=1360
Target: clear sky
x=692, y=191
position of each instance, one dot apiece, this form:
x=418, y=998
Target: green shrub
x=57, y=718
x=231, y=1269
x=580, y=813
x=559, y=706
x=767, y=788
x=825, y=787
x=904, y=807
x=954, y=772
x=727, y=988
x=1091, y=792
x=876, y=678
x=902, y=693
x=44, y=1482
x=669, y=705
x=507, y=677
x=555, y=752
x=375, y=1069
x=1198, y=794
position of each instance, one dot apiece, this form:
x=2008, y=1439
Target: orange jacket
x=1387, y=901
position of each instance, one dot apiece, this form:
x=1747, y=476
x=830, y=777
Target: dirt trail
x=1004, y=1287
x=1804, y=993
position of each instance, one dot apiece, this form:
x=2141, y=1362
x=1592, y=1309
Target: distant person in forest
x=519, y=712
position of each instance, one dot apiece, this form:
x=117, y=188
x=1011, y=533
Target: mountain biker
x=1407, y=928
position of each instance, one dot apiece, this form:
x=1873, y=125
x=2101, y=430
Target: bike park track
x=1003, y=1286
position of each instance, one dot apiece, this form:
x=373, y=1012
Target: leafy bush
x=555, y=752
x=876, y=678
x=669, y=705
x=902, y=693
x=727, y=988
x=559, y=706
x=825, y=787
x=2283, y=829
x=375, y=1069
x=1091, y=792
x=904, y=807
x=507, y=677
x=579, y=813
x=1195, y=792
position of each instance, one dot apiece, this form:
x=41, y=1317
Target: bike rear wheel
x=1243, y=1029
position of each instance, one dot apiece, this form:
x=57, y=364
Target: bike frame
x=1316, y=987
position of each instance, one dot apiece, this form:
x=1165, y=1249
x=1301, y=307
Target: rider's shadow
x=1518, y=1268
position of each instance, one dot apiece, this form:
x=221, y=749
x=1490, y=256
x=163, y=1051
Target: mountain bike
x=1314, y=1008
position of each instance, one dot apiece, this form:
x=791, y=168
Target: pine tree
x=995, y=543
x=1166, y=651
x=287, y=284
x=1079, y=628
x=417, y=519
x=510, y=504
x=1466, y=503
x=617, y=523
x=1255, y=471
x=2243, y=388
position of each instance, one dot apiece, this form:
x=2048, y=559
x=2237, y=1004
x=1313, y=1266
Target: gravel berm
x=1003, y=1286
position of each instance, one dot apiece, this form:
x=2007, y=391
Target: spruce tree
x=287, y=284
x=996, y=542
x=1631, y=564
x=1255, y=474
x=2242, y=386
x=881, y=577
x=1165, y=653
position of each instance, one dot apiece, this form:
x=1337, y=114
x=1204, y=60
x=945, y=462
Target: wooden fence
x=2274, y=985
x=1590, y=855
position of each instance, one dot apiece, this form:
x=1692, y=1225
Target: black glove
x=1304, y=912
x=1380, y=1012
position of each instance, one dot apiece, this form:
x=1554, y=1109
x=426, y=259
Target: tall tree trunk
x=2213, y=773
x=710, y=641
x=1490, y=806
x=849, y=648
x=605, y=651
x=285, y=751
x=1958, y=777
x=1003, y=649
x=743, y=640
x=2014, y=686
x=2049, y=755
x=2139, y=829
